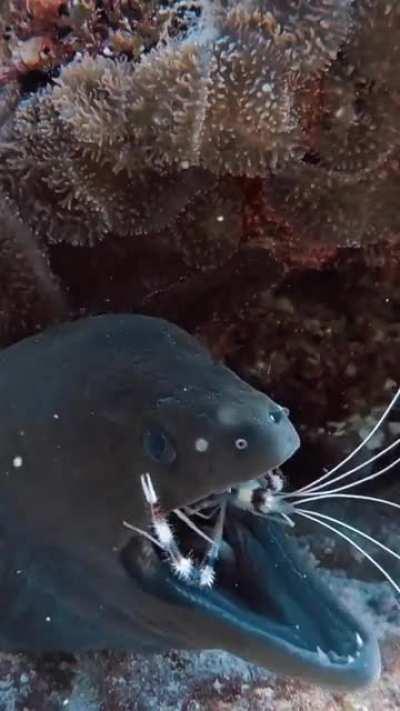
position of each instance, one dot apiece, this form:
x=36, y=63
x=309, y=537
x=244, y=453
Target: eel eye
x=241, y=443
x=275, y=416
x=158, y=446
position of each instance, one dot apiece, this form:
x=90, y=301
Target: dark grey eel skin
x=85, y=409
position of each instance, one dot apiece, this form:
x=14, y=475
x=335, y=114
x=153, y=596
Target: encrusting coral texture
x=231, y=166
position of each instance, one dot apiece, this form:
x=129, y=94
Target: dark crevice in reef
x=36, y=80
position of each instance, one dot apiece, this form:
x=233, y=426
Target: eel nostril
x=275, y=416
x=241, y=443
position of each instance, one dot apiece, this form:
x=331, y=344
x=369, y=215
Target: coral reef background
x=233, y=167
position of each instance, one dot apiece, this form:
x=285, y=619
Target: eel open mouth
x=268, y=604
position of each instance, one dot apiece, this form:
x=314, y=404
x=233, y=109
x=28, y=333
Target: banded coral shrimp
x=267, y=497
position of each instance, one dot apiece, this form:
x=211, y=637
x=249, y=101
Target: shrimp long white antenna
x=299, y=493
x=190, y=511
x=361, y=497
x=311, y=516
x=353, y=529
x=143, y=533
x=352, y=484
x=356, y=450
x=192, y=525
x=316, y=489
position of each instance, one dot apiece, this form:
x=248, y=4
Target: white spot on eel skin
x=201, y=444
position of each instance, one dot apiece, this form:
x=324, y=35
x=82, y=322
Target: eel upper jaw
x=270, y=607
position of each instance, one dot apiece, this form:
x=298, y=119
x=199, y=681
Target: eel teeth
x=332, y=656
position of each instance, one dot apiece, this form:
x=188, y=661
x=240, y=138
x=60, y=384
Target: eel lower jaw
x=268, y=605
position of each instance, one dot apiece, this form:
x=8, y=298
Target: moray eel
x=86, y=408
